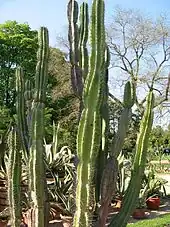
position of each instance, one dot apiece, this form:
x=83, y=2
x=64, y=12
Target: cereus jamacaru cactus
x=37, y=176
x=89, y=131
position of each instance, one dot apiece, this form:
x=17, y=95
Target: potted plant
x=124, y=168
x=140, y=211
x=154, y=190
x=153, y=203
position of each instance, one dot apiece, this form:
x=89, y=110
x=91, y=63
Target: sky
x=52, y=13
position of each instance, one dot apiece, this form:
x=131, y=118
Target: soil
x=65, y=222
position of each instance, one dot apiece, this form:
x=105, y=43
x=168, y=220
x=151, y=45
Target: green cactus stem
x=73, y=37
x=104, y=149
x=37, y=174
x=133, y=190
x=89, y=132
x=109, y=178
x=83, y=38
x=20, y=110
x=14, y=178
x=28, y=95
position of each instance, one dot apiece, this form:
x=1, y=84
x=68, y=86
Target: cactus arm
x=42, y=66
x=14, y=178
x=28, y=95
x=89, y=132
x=133, y=190
x=83, y=37
x=125, y=117
x=20, y=110
x=73, y=37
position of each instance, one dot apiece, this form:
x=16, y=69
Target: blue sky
x=52, y=13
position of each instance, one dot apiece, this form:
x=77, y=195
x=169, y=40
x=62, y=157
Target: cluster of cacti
x=93, y=133
x=78, y=40
x=89, y=76
x=31, y=132
x=89, y=132
x=134, y=187
x=110, y=173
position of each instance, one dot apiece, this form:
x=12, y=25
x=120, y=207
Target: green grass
x=161, y=221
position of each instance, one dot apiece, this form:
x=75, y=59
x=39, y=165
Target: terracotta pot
x=118, y=204
x=153, y=203
x=3, y=223
x=139, y=214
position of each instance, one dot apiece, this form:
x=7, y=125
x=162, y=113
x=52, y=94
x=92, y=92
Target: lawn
x=161, y=221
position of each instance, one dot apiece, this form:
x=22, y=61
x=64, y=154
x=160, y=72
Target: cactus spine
x=14, y=178
x=138, y=166
x=89, y=132
x=37, y=166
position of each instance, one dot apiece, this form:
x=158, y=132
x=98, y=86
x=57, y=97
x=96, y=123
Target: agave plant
x=124, y=171
x=60, y=171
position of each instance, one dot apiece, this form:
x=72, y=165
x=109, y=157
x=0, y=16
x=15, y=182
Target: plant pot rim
x=153, y=198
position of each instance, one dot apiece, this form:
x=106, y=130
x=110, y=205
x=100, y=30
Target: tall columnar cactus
x=133, y=190
x=109, y=177
x=104, y=149
x=37, y=165
x=89, y=132
x=14, y=178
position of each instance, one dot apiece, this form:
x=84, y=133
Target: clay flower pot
x=118, y=204
x=153, y=203
x=139, y=214
x=3, y=223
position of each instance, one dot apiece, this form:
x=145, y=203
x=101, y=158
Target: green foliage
x=60, y=171
x=5, y=119
x=124, y=174
x=162, y=221
x=61, y=99
x=18, y=46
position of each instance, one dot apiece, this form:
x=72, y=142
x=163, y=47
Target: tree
x=61, y=99
x=140, y=52
x=18, y=46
